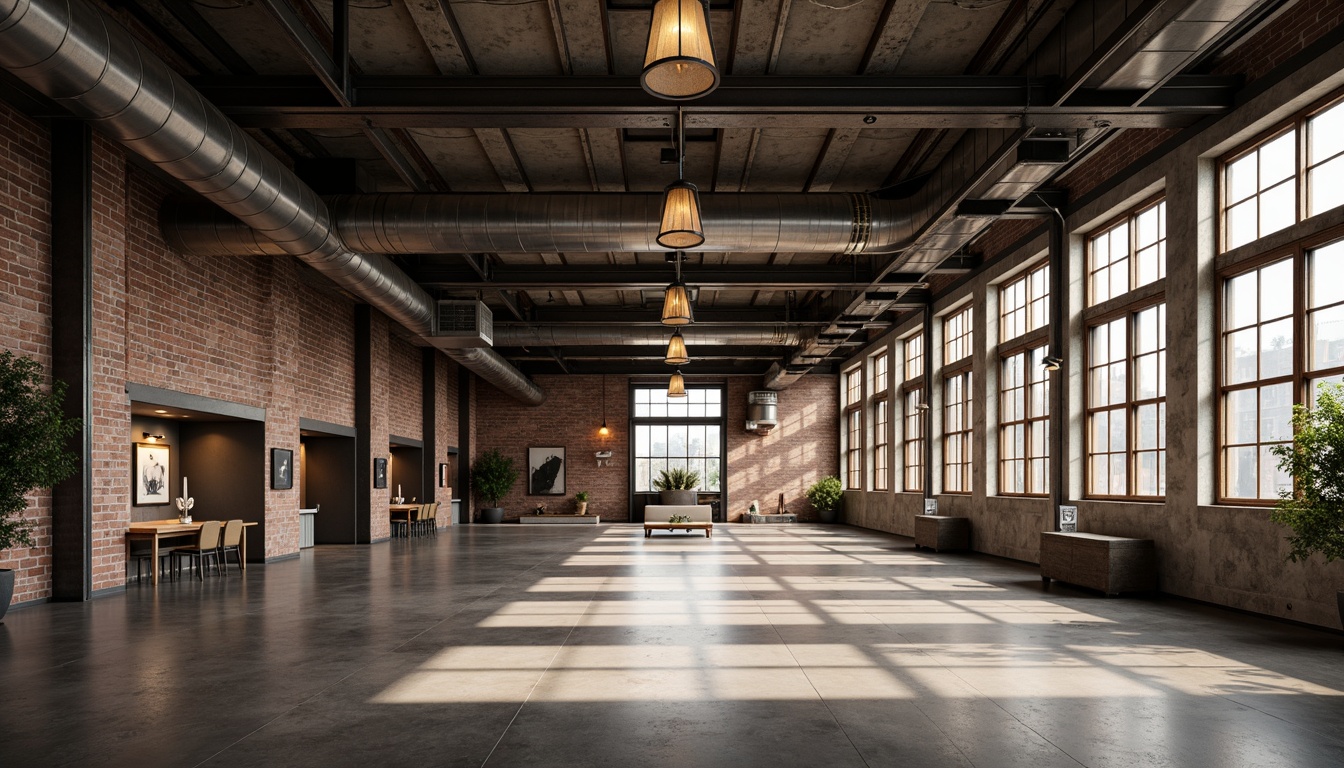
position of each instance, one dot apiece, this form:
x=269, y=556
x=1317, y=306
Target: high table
x=156, y=530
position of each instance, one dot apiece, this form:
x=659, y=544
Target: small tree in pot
x=1314, y=507
x=33, y=433
x=825, y=496
x=492, y=477
x=677, y=486
x=581, y=501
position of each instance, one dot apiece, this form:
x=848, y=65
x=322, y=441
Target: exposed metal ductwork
x=72, y=53
x=627, y=336
x=572, y=223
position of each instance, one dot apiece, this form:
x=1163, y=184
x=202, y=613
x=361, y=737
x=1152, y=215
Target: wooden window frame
x=1035, y=309
x=1132, y=253
x=1033, y=375
x=912, y=418
x=853, y=422
x=965, y=435
x=1131, y=405
x=965, y=340
x=879, y=406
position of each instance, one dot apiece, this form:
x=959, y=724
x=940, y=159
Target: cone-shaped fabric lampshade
x=677, y=305
x=679, y=61
x=676, y=351
x=676, y=386
x=680, y=227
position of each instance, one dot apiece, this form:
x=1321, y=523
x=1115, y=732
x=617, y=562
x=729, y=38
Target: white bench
x=656, y=518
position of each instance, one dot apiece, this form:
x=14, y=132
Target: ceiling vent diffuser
x=464, y=323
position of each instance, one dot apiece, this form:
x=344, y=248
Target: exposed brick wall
x=804, y=448
x=801, y=450
x=405, y=381
x=1294, y=29
x=380, y=527
x=25, y=304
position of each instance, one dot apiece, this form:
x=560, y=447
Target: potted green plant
x=581, y=500
x=492, y=477
x=33, y=433
x=825, y=496
x=1314, y=507
x=677, y=486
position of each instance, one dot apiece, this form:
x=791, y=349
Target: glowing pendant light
x=679, y=59
x=677, y=301
x=676, y=386
x=604, y=430
x=680, y=225
x=676, y=350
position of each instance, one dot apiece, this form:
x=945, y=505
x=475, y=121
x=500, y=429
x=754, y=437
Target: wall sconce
x=679, y=59
x=152, y=438
x=1052, y=363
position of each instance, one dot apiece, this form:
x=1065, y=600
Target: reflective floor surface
x=593, y=646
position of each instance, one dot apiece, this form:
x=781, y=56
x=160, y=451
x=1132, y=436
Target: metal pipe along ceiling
x=603, y=336
x=572, y=223
x=69, y=51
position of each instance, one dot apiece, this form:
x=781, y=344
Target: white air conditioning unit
x=463, y=323
x=762, y=411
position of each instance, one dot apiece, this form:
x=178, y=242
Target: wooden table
x=403, y=511
x=649, y=528
x=156, y=530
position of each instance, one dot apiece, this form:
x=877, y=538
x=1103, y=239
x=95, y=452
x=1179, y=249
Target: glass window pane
x=1240, y=307
x=1326, y=273
x=1276, y=290
x=641, y=440
x=1278, y=209
x=1149, y=426
x=1241, y=179
x=1241, y=470
x=1241, y=416
x=1100, y=432
x=1324, y=187
x=1118, y=476
x=1278, y=159
x=1117, y=382
x=1119, y=345
x=658, y=440
x=1327, y=337
x=1272, y=481
x=1147, y=330
x=1242, y=223
x=712, y=440
x=1101, y=286
x=1276, y=412
x=676, y=440
x=1276, y=349
x=1097, y=480
x=1119, y=430
x=1240, y=357
x=1325, y=134
x=643, y=481
x=1147, y=482
x=1146, y=382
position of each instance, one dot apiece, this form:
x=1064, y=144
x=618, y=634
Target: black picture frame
x=545, y=471
x=282, y=469
x=150, y=484
x=380, y=473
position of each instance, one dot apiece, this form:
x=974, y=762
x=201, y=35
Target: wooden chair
x=418, y=518
x=432, y=523
x=207, y=545
x=144, y=554
x=232, y=542
x=401, y=524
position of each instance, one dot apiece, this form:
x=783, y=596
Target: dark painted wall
x=407, y=468
x=172, y=439
x=226, y=462
x=329, y=472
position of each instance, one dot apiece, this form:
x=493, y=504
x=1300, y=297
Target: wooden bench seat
x=1111, y=564
x=649, y=528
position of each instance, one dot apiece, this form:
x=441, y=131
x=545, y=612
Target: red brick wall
x=801, y=450
x=1294, y=29
x=405, y=381
x=25, y=303
x=804, y=448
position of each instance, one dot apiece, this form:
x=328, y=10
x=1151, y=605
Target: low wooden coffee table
x=649, y=528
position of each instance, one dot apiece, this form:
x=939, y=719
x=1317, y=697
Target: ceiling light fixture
x=152, y=438
x=676, y=350
x=680, y=225
x=676, y=386
x=679, y=59
x=603, y=431
x=677, y=301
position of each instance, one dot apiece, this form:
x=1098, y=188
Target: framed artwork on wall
x=282, y=469
x=546, y=471
x=443, y=475
x=380, y=473
x=150, y=478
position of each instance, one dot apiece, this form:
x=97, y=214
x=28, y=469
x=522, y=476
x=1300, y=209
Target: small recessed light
x=160, y=411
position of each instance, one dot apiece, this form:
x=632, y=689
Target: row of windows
x=1281, y=332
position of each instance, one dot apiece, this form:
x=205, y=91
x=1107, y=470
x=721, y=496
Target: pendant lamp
x=679, y=226
x=604, y=431
x=676, y=386
x=677, y=301
x=676, y=350
x=679, y=60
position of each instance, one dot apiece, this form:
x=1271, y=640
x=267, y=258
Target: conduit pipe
x=71, y=52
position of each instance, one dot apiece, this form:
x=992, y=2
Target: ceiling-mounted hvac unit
x=463, y=323
x=762, y=411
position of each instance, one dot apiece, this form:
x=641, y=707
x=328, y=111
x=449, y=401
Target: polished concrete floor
x=552, y=646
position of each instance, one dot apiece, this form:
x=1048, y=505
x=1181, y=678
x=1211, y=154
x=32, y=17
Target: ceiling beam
x=654, y=276
x=616, y=102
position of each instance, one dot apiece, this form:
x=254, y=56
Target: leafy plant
x=825, y=494
x=1314, y=507
x=677, y=479
x=679, y=519
x=493, y=475
x=33, y=432
x=581, y=497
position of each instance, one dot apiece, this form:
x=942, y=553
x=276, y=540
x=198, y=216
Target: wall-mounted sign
x=930, y=506
x=1068, y=519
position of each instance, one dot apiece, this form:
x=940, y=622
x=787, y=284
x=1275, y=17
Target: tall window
x=854, y=429
x=880, y=405
x=1127, y=411
x=1264, y=372
x=1257, y=348
x=912, y=398
x=685, y=433
x=1262, y=186
x=1024, y=304
x=957, y=434
x=1024, y=411
x=1129, y=254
